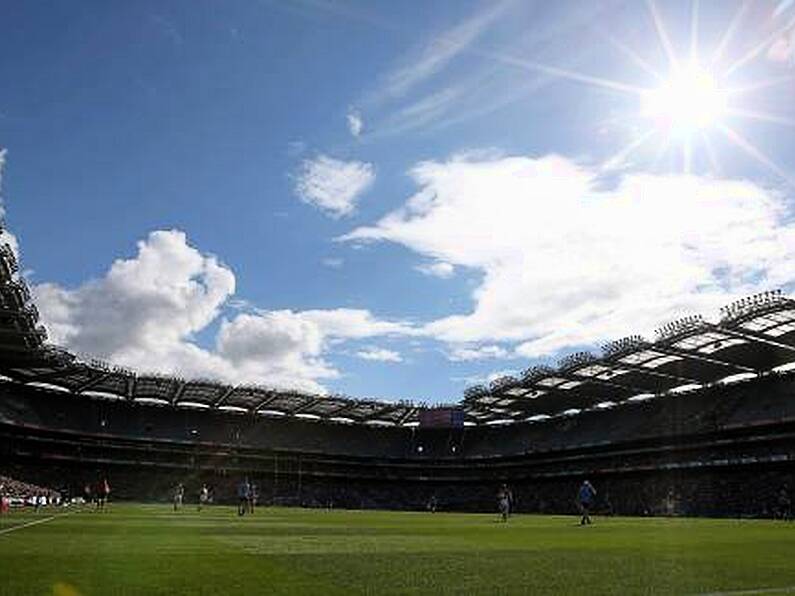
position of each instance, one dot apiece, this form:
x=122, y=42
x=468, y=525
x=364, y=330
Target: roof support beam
x=92, y=382
x=56, y=374
x=345, y=408
x=379, y=412
x=654, y=373
x=305, y=406
x=178, y=392
x=264, y=402
x=755, y=336
x=671, y=350
x=224, y=396
x=570, y=376
x=406, y=415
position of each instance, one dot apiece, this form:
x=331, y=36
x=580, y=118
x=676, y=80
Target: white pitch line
x=753, y=592
x=32, y=523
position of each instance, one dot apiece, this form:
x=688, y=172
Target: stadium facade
x=700, y=421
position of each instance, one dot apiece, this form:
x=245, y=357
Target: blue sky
x=390, y=199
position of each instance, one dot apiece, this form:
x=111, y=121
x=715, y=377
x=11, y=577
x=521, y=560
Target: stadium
x=665, y=427
x=698, y=422
x=345, y=297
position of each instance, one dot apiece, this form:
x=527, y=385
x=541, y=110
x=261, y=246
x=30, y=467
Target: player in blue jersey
x=585, y=499
x=243, y=495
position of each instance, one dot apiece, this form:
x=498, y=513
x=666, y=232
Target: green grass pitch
x=149, y=549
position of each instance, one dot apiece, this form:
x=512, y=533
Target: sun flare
x=696, y=109
x=691, y=99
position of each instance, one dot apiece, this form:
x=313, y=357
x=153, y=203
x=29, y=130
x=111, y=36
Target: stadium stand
x=17, y=492
x=700, y=421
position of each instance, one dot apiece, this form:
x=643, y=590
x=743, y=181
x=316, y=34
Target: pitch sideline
x=752, y=591
x=34, y=522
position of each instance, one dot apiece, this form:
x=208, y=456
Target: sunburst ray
x=662, y=150
x=694, y=32
x=759, y=48
x=712, y=156
x=761, y=116
x=717, y=55
x=621, y=156
x=662, y=34
x=687, y=154
x=631, y=54
x=563, y=73
x=761, y=85
x=748, y=147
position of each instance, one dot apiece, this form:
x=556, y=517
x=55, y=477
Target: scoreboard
x=445, y=417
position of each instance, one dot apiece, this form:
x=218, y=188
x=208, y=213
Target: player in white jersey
x=204, y=496
x=179, y=495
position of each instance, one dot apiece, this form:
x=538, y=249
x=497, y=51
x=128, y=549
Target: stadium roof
x=754, y=335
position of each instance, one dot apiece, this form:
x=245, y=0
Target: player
x=179, y=495
x=608, y=504
x=204, y=496
x=252, y=497
x=433, y=504
x=5, y=502
x=784, y=504
x=504, y=502
x=585, y=498
x=87, y=498
x=102, y=492
x=243, y=495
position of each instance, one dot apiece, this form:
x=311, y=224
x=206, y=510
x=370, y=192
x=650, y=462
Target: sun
x=694, y=109
x=689, y=100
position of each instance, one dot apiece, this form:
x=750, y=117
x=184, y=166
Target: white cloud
x=379, y=355
x=432, y=57
x=145, y=311
x=274, y=347
x=457, y=74
x=783, y=7
x=295, y=148
x=355, y=122
x=468, y=354
x=453, y=78
x=438, y=269
x=333, y=185
x=567, y=262
x=783, y=49
x=483, y=379
x=424, y=112
x=408, y=96
x=167, y=292
x=6, y=237
x=333, y=262
x=353, y=323
x=3, y=154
